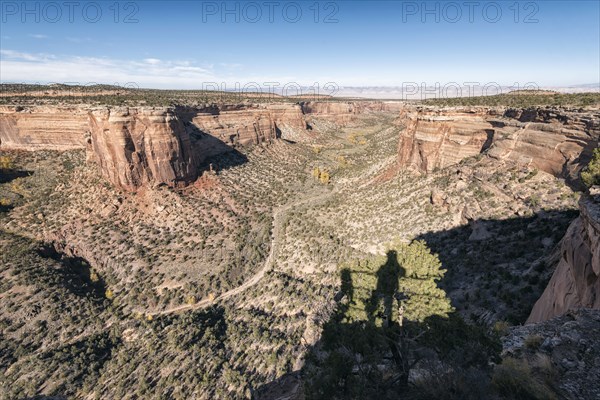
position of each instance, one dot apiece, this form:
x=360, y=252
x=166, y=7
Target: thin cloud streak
x=150, y=72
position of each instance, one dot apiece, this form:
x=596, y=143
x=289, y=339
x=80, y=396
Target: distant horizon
x=411, y=90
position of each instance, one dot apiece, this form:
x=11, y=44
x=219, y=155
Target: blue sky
x=185, y=44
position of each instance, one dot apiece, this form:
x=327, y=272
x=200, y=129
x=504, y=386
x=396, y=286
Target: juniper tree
x=386, y=303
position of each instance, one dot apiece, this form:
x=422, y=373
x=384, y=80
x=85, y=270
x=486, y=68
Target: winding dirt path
x=269, y=262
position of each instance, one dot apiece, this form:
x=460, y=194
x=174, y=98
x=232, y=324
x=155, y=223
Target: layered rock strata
x=557, y=142
x=135, y=146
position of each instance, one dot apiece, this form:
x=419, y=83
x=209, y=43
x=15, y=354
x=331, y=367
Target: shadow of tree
x=10, y=175
x=386, y=291
x=376, y=336
x=375, y=345
x=75, y=274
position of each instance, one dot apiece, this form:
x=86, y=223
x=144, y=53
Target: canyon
x=213, y=214
x=135, y=146
x=138, y=145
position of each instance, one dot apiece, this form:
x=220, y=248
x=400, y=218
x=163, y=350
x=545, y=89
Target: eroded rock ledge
x=576, y=279
x=137, y=146
x=558, y=142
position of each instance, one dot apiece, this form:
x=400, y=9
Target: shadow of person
x=388, y=276
x=346, y=285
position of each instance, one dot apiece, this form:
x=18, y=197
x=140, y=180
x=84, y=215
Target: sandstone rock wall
x=36, y=128
x=137, y=146
x=559, y=143
x=343, y=113
x=559, y=146
x=251, y=125
x=433, y=140
x=576, y=279
x=340, y=113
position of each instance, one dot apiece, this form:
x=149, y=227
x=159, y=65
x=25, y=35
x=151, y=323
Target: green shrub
x=533, y=341
x=590, y=175
x=513, y=379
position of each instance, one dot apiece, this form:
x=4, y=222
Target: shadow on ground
x=10, y=175
x=75, y=274
x=497, y=269
x=370, y=349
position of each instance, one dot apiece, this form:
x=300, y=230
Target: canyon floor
x=221, y=289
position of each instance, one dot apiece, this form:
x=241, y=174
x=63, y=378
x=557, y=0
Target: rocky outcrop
x=249, y=125
x=141, y=146
x=340, y=113
x=565, y=346
x=136, y=146
x=576, y=279
x=433, y=140
x=557, y=142
x=343, y=113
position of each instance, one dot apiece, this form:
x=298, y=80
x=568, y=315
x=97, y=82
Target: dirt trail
x=277, y=219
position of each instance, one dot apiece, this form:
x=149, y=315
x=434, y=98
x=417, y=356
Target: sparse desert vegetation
x=241, y=281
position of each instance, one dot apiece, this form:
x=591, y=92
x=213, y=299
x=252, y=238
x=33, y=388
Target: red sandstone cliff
x=555, y=142
x=140, y=145
x=37, y=128
x=343, y=113
x=576, y=279
x=434, y=139
x=137, y=146
x=249, y=125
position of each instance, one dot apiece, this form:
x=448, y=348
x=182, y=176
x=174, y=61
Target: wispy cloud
x=231, y=66
x=18, y=66
x=38, y=36
x=25, y=67
x=78, y=39
x=21, y=56
x=152, y=61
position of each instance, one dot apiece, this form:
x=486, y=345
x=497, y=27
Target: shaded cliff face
x=555, y=142
x=249, y=125
x=576, y=279
x=135, y=146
